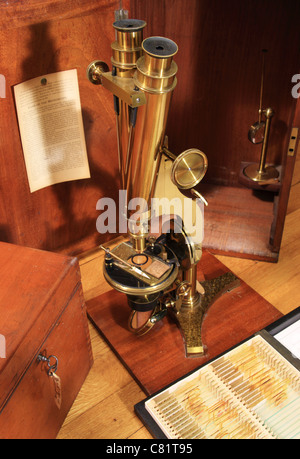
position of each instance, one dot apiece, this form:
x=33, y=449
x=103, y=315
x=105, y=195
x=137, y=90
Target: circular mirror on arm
x=189, y=168
x=257, y=132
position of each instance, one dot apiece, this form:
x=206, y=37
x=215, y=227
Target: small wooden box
x=41, y=312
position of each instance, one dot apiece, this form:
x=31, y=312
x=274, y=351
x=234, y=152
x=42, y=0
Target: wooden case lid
x=35, y=287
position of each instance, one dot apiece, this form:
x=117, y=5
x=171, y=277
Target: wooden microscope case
x=42, y=312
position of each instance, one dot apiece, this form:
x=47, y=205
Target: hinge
x=293, y=141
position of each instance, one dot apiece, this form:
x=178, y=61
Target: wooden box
x=217, y=100
x=42, y=312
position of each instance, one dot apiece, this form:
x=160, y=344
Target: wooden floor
x=104, y=406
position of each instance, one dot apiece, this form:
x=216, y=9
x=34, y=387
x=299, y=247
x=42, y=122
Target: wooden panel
x=289, y=166
x=238, y=223
x=104, y=392
x=31, y=412
x=42, y=311
x=37, y=286
x=39, y=38
x=217, y=99
x=18, y=14
x=157, y=358
x=219, y=70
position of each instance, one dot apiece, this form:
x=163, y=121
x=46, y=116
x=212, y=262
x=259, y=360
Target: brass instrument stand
x=260, y=173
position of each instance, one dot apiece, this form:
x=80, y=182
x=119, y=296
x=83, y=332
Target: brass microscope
x=157, y=266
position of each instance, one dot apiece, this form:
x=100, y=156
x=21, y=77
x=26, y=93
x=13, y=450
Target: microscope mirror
x=256, y=132
x=189, y=168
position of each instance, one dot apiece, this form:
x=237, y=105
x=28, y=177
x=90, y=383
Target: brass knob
x=95, y=70
x=183, y=288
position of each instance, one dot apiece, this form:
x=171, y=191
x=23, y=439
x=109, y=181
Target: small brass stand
x=259, y=133
x=260, y=172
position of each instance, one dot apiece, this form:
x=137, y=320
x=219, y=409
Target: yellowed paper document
x=51, y=129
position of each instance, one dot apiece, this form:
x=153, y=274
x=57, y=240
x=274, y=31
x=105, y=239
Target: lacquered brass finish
x=191, y=298
x=268, y=173
x=95, y=71
x=189, y=168
x=127, y=47
x=124, y=89
x=156, y=69
x=151, y=285
x=145, y=154
x=150, y=125
x=157, y=273
x=259, y=133
x=269, y=113
x=190, y=319
x=260, y=172
x=131, y=267
x=139, y=241
x=199, y=195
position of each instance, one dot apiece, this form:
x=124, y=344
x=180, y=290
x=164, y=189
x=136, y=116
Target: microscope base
x=190, y=319
x=158, y=358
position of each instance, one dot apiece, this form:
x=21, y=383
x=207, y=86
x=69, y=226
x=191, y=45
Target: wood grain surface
x=37, y=38
x=104, y=406
x=42, y=312
x=215, y=101
x=158, y=358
